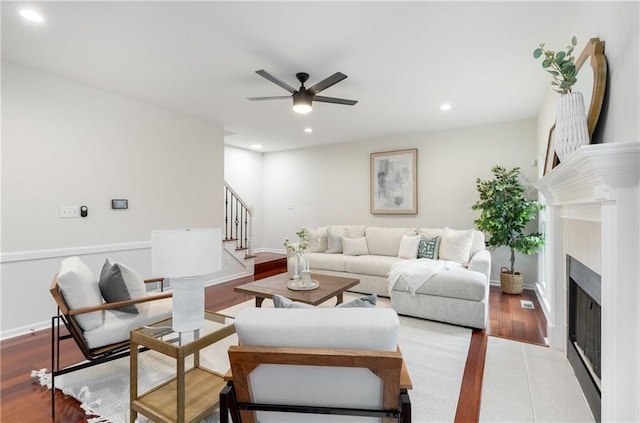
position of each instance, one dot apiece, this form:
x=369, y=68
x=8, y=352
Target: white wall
x=243, y=172
x=330, y=184
x=65, y=143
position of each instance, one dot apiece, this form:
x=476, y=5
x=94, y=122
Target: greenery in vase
x=505, y=213
x=561, y=65
x=300, y=246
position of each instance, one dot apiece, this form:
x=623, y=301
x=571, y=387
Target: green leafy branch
x=560, y=65
x=300, y=246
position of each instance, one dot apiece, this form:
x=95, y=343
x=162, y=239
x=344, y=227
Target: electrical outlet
x=69, y=211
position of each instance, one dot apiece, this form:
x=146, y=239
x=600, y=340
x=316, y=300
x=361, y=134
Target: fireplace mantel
x=602, y=179
x=591, y=174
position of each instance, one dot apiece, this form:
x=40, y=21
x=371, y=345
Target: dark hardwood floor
x=23, y=400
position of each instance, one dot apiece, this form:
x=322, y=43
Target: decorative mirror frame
x=594, y=51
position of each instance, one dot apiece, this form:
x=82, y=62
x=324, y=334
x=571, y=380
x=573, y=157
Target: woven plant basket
x=511, y=283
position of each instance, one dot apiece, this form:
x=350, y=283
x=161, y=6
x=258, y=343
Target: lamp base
x=188, y=303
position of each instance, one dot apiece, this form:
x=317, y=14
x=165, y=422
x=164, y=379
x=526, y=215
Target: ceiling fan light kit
x=303, y=97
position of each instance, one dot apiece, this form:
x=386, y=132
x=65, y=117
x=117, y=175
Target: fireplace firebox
x=584, y=330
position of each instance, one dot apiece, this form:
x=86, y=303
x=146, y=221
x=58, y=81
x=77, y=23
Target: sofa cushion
x=119, y=282
x=318, y=239
x=478, y=242
x=324, y=261
x=456, y=245
x=369, y=265
x=386, y=241
x=457, y=283
x=355, y=246
x=429, y=247
x=336, y=232
x=409, y=246
x=79, y=288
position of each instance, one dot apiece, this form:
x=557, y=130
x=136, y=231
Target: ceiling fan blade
x=263, y=73
x=334, y=100
x=278, y=97
x=327, y=82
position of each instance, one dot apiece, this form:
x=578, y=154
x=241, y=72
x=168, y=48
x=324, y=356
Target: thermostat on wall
x=119, y=204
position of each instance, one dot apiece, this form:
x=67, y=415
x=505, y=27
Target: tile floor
x=529, y=383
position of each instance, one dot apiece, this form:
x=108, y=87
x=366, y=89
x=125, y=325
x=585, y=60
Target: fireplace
x=584, y=300
x=599, y=183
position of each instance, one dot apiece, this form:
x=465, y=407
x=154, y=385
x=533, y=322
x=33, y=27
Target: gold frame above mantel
x=594, y=52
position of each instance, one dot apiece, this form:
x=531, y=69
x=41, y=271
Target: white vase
x=571, y=125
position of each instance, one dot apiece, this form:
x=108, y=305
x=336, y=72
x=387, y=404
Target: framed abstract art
x=394, y=182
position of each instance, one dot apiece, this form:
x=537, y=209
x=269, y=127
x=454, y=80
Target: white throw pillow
x=409, y=246
x=80, y=289
x=355, y=246
x=318, y=239
x=334, y=238
x=456, y=245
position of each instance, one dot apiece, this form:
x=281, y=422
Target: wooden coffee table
x=330, y=286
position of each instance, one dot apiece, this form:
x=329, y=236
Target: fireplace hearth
x=584, y=342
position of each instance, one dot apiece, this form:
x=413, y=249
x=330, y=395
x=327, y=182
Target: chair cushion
x=321, y=327
x=118, y=324
x=80, y=289
x=119, y=282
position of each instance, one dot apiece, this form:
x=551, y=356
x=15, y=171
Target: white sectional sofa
x=455, y=291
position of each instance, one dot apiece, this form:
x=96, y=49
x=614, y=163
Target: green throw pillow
x=428, y=247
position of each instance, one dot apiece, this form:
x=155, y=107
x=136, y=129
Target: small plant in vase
x=505, y=214
x=571, y=130
x=300, y=249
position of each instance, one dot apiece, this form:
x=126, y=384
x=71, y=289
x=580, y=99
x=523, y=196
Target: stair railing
x=238, y=218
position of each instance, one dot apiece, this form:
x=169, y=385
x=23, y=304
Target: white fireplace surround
x=599, y=182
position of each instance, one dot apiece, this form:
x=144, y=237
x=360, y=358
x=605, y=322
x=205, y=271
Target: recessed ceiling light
x=445, y=107
x=31, y=15
x=308, y=130
x=256, y=146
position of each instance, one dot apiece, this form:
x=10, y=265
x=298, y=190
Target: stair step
x=279, y=264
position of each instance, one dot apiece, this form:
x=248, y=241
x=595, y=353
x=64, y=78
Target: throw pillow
x=409, y=246
x=318, y=242
x=80, y=289
x=355, y=246
x=364, y=301
x=334, y=238
x=283, y=302
x=456, y=245
x=429, y=247
x=119, y=282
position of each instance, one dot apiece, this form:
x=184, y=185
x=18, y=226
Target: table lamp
x=185, y=256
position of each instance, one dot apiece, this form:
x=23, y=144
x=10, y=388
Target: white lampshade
x=184, y=255
x=179, y=253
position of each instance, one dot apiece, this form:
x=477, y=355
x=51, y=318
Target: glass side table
x=193, y=393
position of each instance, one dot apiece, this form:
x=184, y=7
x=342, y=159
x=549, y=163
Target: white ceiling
x=403, y=60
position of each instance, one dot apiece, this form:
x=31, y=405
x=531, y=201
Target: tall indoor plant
x=505, y=214
x=571, y=129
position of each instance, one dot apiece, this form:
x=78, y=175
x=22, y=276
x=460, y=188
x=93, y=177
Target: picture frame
x=551, y=160
x=394, y=187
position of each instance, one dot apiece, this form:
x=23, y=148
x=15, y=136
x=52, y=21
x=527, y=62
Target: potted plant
x=505, y=214
x=571, y=130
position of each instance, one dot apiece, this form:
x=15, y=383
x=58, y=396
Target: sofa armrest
x=481, y=262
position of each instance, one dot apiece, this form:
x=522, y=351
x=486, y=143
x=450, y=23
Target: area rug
x=435, y=355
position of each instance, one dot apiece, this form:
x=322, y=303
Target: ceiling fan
x=303, y=97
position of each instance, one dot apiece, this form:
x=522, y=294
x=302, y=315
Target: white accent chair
x=333, y=365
